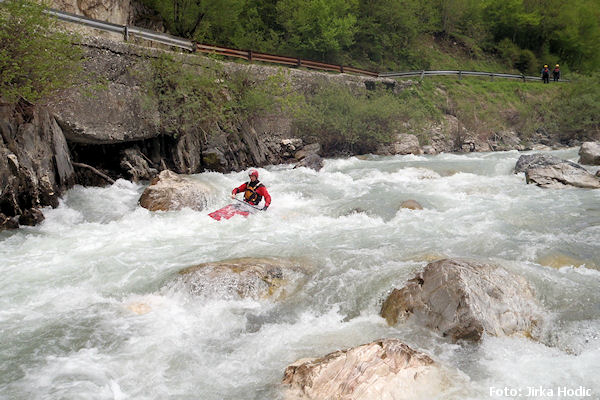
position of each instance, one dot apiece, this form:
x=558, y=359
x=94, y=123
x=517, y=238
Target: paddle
x=248, y=204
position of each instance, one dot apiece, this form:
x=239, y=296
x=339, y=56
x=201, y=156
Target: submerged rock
x=139, y=308
x=552, y=172
x=463, y=299
x=556, y=259
x=245, y=277
x=411, y=205
x=170, y=191
x=589, y=153
x=383, y=369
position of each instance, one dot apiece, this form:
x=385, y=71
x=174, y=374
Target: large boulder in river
x=539, y=160
x=552, y=172
x=383, y=369
x=589, y=153
x=245, y=277
x=312, y=160
x=463, y=299
x=559, y=175
x=170, y=191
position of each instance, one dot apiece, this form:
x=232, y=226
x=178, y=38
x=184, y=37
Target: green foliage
x=341, y=118
x=578, y=109
x=259, y=29
x=569, y=30
x=36, y=58
x=191, y=98
x=386, y=34
x=523, y=60
x=385, y=31
x=186, y=99
x=317, y=28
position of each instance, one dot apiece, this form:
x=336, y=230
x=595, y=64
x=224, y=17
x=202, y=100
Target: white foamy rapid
x=88, y=308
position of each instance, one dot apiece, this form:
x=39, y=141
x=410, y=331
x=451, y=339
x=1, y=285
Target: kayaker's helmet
x=557, y=65
x=254, y=173
x=546, y=66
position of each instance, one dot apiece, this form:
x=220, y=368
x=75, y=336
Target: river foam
x=88, y=307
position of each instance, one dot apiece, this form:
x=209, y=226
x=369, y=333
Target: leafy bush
x=192, y=98
x=578, y=109
x=36, y=58
x=352, y=121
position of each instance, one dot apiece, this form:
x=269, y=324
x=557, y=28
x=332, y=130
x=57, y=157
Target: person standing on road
x=546, y=74
x=556, y=73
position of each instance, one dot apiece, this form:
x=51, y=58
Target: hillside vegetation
x=400, y=34
x=348, y=121
x=342, y=120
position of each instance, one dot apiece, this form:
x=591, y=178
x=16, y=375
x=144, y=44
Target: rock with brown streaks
x=385, y=369
x=170, y=191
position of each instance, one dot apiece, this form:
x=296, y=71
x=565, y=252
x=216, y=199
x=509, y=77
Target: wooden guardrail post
x=299, y=64
x=126, y=33
x=249, y=55
x=422, y=74
x=342, y=69
x=459, y=75
x=492, y=76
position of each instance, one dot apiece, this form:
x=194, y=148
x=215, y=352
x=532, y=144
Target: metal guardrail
x=272, y=58
x=169, y=40
x=132, y=31
x=126, y=31
x=79, y=19
x=460, y=74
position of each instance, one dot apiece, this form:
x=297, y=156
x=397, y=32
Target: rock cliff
x=35, y=163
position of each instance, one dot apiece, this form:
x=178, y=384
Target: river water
x=69, y=287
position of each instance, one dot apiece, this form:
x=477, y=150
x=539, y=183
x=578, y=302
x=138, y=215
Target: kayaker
x=254, y=191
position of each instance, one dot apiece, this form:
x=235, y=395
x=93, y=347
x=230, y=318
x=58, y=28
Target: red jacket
x=261, y=190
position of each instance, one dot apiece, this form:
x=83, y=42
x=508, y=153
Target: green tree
x=213, y=21
x=575, y=36
x=36, y=58
x=386, y=30
x=578, y=109
x=510, y=19
x=259, y=29
x=317, y=28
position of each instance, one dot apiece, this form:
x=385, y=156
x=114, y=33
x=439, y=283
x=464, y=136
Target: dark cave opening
x=109, y=159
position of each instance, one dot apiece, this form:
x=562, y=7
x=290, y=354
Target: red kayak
x=230, y=210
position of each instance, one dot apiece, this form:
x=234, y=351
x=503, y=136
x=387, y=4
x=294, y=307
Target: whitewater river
x=69, y=287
